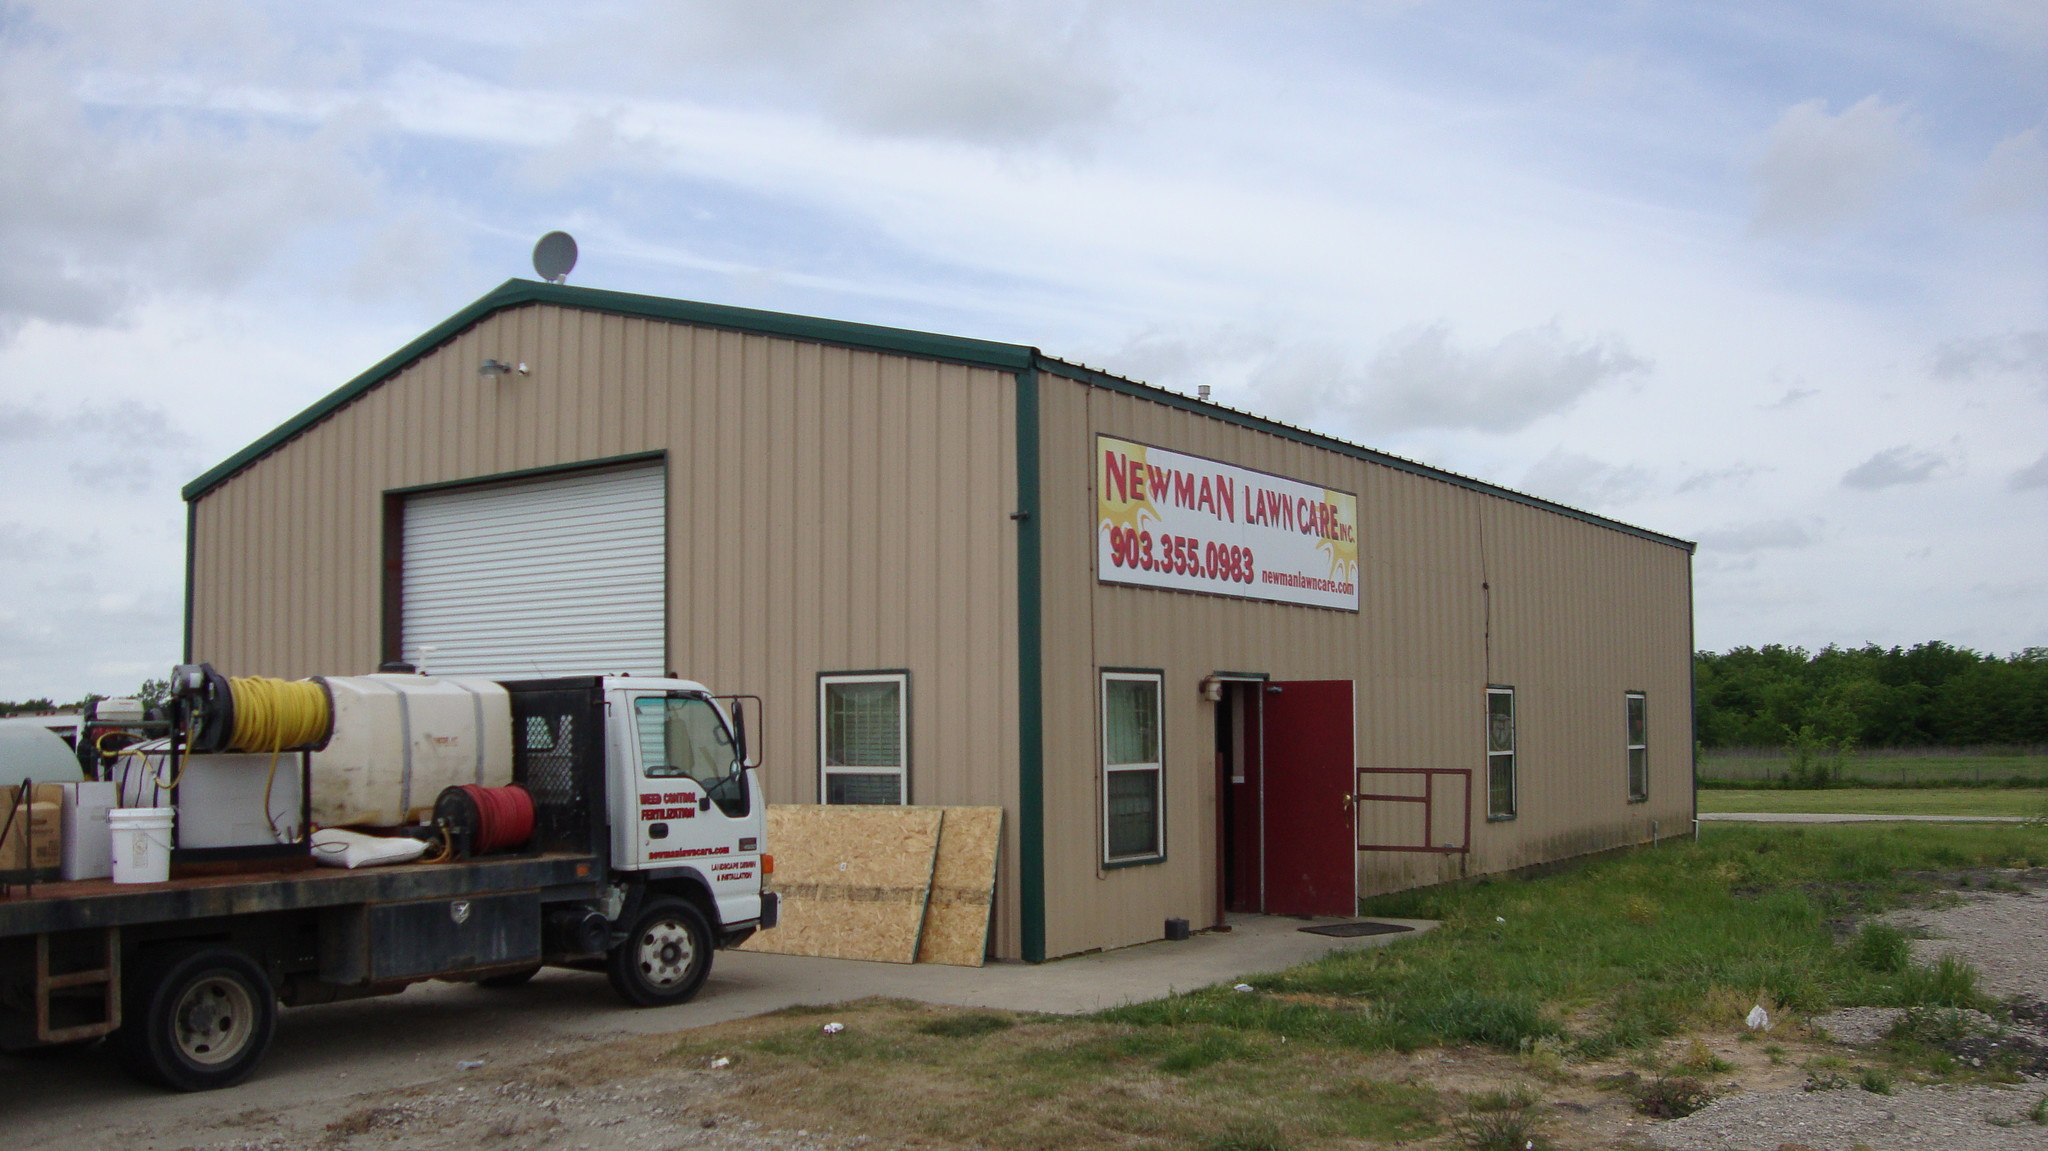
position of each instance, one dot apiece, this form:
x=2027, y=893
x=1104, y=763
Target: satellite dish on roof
x=554, y=256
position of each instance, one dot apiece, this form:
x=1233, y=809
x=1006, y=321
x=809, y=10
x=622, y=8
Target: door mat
x=1361, y=927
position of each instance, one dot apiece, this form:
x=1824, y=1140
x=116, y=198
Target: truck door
x=693, y=800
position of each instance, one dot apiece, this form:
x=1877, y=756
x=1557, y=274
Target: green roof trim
x=517, y=293
x=1101, y=379
x=867, y=337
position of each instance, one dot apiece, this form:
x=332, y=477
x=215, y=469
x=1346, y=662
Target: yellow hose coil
x=275, y=714
x=270, y=715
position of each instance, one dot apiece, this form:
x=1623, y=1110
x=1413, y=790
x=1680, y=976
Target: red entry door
x=1311, y=844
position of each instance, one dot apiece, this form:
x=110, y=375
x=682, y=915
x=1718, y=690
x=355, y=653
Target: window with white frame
x=1133, y=784
x=1636, y=706
x=1500, y=753
x=864, y=737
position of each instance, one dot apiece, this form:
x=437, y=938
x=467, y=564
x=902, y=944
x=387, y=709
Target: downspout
x=1030, y=686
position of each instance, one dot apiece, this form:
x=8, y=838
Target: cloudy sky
x=1772, y=276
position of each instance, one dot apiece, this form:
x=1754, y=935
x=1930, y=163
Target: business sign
x=1167, y=520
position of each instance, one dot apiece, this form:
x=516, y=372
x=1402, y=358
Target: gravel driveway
x=2005, y=936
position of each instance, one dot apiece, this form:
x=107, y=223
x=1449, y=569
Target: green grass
x=1882, y=801
x=1624, y=951
x=1888, y=770
x=1598, y=960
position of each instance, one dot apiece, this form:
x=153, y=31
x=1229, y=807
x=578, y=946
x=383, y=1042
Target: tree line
x=1930, y=694
x=40, y=706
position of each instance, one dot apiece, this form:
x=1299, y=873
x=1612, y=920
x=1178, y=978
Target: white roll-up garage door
x=562, y=575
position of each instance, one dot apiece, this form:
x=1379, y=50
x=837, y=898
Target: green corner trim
x=1030, y=680
x=1692, y=693
x=191, y=571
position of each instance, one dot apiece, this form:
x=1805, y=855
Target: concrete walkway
x=749, y=983
x=1819, y=817
x=70, y=1101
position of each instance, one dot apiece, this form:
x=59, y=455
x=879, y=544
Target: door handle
x=1349, y=800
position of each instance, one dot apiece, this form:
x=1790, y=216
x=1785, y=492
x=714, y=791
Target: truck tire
x=199, y=1018
x=666, y=956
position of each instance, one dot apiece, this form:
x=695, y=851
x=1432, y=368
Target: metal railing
x=1428, y=799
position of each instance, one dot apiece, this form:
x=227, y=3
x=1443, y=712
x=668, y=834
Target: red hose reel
x=486, y=820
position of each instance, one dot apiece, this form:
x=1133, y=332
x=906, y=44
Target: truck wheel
x=665, y=958
x=201, y=1018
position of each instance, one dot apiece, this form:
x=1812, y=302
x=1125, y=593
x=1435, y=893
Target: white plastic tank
x=399, y=739
x=30, y=749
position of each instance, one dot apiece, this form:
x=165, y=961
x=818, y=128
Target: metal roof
x=869, y=337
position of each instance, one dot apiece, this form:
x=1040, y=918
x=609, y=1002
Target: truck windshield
x=683, y=736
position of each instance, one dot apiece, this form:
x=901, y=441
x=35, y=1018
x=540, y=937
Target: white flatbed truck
x=639, y=867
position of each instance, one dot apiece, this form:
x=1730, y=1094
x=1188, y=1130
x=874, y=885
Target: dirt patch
x=523, y=1109
x=892, y=1079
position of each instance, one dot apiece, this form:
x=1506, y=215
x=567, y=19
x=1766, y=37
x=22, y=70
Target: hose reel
x=249, y=714
x=485, y=820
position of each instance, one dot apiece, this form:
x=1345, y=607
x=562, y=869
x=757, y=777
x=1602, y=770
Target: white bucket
x=142, y=843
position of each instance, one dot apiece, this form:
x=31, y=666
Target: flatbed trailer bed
x=98, y=903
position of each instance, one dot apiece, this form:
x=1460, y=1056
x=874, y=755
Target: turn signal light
x=767, y=865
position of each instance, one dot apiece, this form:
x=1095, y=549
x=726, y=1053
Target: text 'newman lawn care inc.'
x=1167, y=520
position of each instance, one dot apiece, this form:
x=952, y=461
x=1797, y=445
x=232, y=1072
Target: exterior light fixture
x=490, y=368
x=1212, y=689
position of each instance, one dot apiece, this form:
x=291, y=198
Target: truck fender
x=683, y=882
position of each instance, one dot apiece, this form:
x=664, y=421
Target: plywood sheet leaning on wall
x=963, y=887
x=854, y=881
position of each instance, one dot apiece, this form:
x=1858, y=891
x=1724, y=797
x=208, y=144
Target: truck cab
x=684, y=804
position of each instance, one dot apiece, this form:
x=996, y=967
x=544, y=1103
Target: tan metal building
x=1164, y=635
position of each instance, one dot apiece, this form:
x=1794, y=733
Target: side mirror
x=736, y=706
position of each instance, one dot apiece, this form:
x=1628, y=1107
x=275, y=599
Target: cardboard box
x=40, y=821
x=88, y=843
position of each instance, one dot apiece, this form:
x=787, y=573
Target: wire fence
x=2024, y=766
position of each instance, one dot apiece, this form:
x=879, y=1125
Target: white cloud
x=1895, y=466
x=2024, y=354
x=1759, y=535
x=999, y=72
x=1583, y=481
x=1708, y=479
x=1791, y=397
x=1422, y=378
x=101, y=447
x=2015, y=175
x=2034, y=475
x=1821, y=170
x=104, y=206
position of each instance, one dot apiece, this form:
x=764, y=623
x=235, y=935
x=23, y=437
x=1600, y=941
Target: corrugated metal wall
x=836, y=510
x=830, y=510
x=1579, y=615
